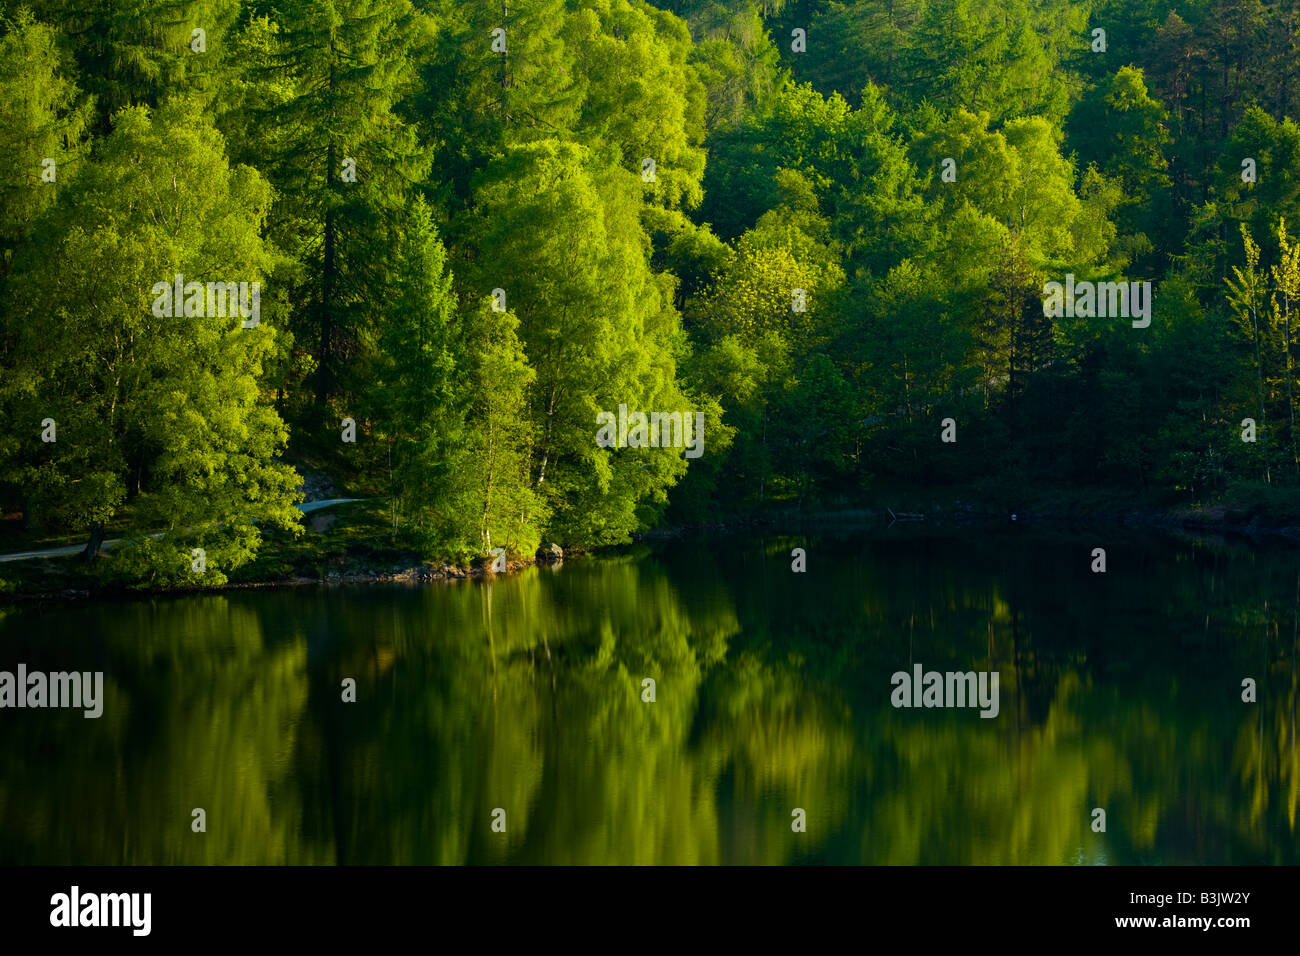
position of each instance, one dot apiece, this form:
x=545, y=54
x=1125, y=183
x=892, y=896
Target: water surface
x=1120, y=691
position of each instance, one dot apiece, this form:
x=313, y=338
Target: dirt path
x=307, y=507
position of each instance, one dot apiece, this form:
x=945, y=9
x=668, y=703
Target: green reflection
x=1120, y=691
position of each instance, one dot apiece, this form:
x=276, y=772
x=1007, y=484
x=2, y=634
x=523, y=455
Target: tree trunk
x=329, y=265
x=1290, y=392
x=93, y=545
x=1259, y=370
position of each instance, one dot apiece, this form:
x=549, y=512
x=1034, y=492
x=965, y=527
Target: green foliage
x=168, y=410
x=139, y=52
x=415, y=404
x=596, y=323
x=983, y=58
x=343, y=169
x=861, y=256
x=42, y=118
x=497, y=503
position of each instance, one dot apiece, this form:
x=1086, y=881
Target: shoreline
x=424, y=574
x=1174, y=520
x=1217, y=520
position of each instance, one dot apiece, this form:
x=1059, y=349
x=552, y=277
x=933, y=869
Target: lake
x=507, y=721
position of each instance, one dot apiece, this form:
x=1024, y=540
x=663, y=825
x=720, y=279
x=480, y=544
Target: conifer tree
x=347, y=166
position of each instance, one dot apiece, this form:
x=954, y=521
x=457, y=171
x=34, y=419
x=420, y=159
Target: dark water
x=1120, y=691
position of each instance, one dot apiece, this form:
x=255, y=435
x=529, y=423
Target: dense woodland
x=648, y=185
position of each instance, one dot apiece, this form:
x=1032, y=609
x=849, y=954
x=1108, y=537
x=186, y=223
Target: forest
x=474, y=231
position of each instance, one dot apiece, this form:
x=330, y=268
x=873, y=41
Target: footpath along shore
x=370, y=570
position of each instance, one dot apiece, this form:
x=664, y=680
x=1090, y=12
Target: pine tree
x=138, y=52
x=414, y=402
x=347, y=167
x=42, y=127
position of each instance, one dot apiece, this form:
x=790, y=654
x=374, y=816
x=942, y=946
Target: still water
x=1119, y=691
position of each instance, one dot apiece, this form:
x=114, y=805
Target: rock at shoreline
x=316, y=486
x=554, y=554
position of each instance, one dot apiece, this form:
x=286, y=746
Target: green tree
x=414, y=403
x=496, y=488
x=1286, y=294
x=734, y=57
x=986, y=59
x=560, y=233
x=1121, y=129
x=138, y=52
x=166, y=414
x=1247, y=297
x=42, y=118
x=345, y=169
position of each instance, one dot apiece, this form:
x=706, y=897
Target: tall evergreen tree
x=347, y=166
x=414, y=404
x=42, y=127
